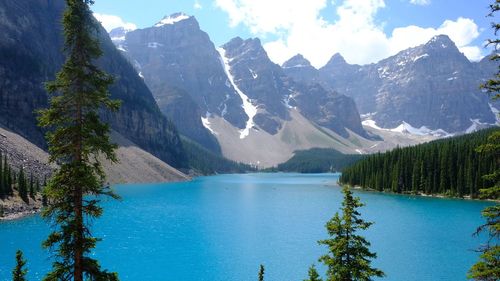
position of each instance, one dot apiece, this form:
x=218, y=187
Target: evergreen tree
x=19, y=272
x=449, y=167
x=32, y=187
x=37, y=186
x=10, y=181
x=349, y=257
x=313, y=274
x=22, y=186
x=488, y=266
x=3, y=191
x=5, y=177
x=261, y=273
x=76, y=138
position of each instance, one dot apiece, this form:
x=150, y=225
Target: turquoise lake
x=222, y=228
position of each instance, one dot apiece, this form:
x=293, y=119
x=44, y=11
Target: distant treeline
x=317, y=160
x=206, y=162
x=27, y=186
x=451, y=167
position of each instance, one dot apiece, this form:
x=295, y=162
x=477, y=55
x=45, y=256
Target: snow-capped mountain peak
x=297, y=61
x=442, y=41
x=172, y=19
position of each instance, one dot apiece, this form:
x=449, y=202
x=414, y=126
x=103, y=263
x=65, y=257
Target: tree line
x=206, y=162
x=27, y=186
x=451, y=167
x=317, y=160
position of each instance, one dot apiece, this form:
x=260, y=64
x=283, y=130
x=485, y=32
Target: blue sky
x=364, y=31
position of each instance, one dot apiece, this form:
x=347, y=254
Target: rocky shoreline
x=13, y=208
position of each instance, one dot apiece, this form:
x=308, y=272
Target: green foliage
x=488, y=266
x=19, y=272
x=22, y=186
x=493, y=85
x=5, y=187
x=349, y=256
x=313, y=274
x=317, y=160
x=449, y=167
x=32, y=187
x=206, y=162
x=261, y=273
x=76, y=138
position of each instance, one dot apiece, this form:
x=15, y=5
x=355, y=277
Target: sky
x=363, y=31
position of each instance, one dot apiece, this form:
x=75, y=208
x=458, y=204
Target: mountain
x=180, y=63
x=30, y=54
x=300, y=69
x=431, y=87
x=320, y=103
x=234, y=96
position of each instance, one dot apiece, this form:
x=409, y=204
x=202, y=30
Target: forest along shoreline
x=437, y=196
x=15, y=208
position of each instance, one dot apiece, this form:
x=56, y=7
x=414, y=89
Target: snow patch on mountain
x=496, y=112
x=296, y=66
x=406, y=128
x=254, y=74
x=172, y=19
x=248, y=107
x=118, y=39
x=420, y=57
x=154, y=45
x=476, y=125
x=206, y=123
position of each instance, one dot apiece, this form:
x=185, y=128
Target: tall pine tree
x=349, y=257
x=488, y=267
x=76, y=138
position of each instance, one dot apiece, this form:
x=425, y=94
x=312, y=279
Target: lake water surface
x=222, y=228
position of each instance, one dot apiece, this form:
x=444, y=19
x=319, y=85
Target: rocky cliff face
x=432, y=85
x=260, y=80
x=192, y=80
x=175, y=53
x=318, y=102
x=275, y=90
x=300, y=69
x=30, y=54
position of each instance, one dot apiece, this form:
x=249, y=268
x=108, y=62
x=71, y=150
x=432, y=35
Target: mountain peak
x=297, y=61
x=440, y=41
x=336, y=60
x=172, y=19
x=118, y=32
x=249, y=44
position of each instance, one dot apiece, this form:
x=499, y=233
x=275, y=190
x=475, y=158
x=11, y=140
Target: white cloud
x=355, y=33
x=111, y=22
x=264, y=16
x=420, y=2
x=197, y=5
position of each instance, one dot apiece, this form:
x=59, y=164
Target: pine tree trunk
x=78, y=195
x=78, y=271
